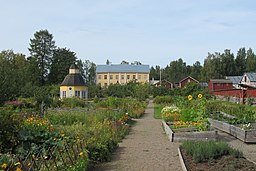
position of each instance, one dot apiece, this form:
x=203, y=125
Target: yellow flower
x=62, y=135
x=200, y=96
x=4, y=166
x=81, y=153
x=18, y=169
x=190, y=97
x=16, y=164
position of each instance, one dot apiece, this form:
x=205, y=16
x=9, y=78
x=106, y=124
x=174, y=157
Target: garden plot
x=240, y=131
x=192, y=133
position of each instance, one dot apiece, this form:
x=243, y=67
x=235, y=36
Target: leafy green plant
x=203, y=151
x=73, y=102
x=9, y=129
x=163, y=100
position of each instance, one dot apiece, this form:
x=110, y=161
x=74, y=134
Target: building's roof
x=122, y=68
x=247, y=86
x=73, y=80
x=188, y=78
x=221, y=81
x=251, y=76
x=204, y=84
x=234, y=79
x=73, y=66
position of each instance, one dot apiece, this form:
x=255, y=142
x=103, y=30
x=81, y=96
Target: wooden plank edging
x=168, y=131
x=183, y=166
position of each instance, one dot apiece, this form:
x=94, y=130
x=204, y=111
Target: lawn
x=157, y=111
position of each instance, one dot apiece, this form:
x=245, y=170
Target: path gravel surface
x=146, y=148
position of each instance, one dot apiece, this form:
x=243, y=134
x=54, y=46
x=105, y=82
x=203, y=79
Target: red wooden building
x=220, y=84
x=186, y=80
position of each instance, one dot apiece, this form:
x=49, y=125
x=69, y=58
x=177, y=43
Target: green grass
x=157, y=111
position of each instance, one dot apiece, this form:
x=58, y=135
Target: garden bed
x=188, y=134
x=227, y=162
x=246, y=135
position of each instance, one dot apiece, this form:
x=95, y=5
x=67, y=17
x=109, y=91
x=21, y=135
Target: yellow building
x=121, y=74
x=73, y=85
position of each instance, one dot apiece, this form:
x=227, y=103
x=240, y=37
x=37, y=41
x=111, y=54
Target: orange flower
x=4, y=166
x=18, y=169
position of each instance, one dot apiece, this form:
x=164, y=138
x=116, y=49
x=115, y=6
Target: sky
x=152, y=32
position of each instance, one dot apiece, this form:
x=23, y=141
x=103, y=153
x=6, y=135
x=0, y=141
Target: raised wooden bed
x=181, y=134
x=248, y=136
x=183, y=166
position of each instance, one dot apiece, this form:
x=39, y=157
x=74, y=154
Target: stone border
x=202, y=136
x=183, y=165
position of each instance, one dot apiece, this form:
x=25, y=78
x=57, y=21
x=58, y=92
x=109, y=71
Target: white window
x=63, y=94
x=99, y=77
x=77, y=93
x=84, y=96
x=122, y=77
x=111, y=77
x=117, y=77
x=139, y=77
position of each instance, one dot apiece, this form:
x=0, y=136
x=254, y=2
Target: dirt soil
x=146, y=148
x=221, y=164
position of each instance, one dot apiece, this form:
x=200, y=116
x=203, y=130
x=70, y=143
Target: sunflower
x=190, y=97
x=200, y=96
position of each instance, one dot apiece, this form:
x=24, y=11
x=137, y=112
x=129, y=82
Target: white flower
x=170, y=109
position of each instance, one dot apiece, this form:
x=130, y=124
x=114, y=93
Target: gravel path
x=145, y=148
x=249, y=150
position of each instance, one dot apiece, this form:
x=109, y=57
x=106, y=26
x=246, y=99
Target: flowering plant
x=193, y=111
x=170, y=109
x=246, y=126
x=171, y=113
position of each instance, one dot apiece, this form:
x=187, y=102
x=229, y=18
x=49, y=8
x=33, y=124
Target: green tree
x=136, y=63
x=41, y=49
x=80, y=65
x=250, y=61
x=108, y=62
x=124, y=62
x=227, y=63
x=175, y=71
x=14, y=75
x=212, y=67
x=240, y=62
x=61, y=61
x=89, y=69
x=196, y=70
x=154, y=73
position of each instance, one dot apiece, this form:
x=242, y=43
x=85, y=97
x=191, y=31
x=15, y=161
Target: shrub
x=203, y=151
x=73, y=102
x=163, y=99
x=9, y=129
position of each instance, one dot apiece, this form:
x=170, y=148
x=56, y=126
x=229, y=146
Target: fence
x=57, y=157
